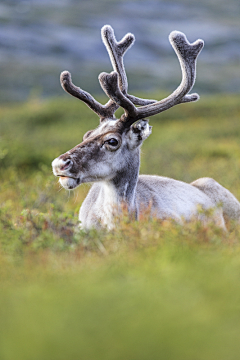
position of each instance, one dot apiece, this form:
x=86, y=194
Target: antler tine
x=116, y=51
x=102, y=111
x=109, y=83
x=187, y=54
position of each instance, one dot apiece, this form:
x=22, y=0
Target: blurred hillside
x=40, y=38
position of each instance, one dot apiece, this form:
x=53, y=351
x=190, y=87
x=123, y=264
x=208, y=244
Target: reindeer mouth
x=66, y=176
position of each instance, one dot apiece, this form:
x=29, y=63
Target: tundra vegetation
x=147, y=290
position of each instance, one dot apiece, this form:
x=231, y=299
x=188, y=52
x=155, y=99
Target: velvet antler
x=187, y=54
x=115, y=84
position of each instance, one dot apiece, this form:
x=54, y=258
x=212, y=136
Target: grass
x=150, y=291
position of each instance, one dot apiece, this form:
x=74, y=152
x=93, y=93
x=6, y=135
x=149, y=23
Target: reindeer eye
x=112, y=142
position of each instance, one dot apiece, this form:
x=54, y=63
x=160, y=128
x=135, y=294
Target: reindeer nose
x=65, y=166
x=61, y=165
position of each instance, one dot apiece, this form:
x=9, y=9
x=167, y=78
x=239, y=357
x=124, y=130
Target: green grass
x=153, y=290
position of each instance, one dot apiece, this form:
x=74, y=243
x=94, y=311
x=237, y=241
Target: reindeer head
x=113, y=147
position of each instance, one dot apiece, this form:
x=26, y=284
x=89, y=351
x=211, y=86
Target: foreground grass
x=153, y=290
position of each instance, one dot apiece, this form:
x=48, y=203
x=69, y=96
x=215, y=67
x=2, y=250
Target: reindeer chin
x=69, y=183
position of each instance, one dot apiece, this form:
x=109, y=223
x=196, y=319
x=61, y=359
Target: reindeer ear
x=139, y=131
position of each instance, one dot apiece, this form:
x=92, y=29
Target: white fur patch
x=107, y=202
x=105, y=126
x=56, y=165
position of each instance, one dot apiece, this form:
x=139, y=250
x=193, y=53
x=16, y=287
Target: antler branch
x=69, y=87
x=116, y=51
x=110, y=84
x=115, y=84
x=187, y=54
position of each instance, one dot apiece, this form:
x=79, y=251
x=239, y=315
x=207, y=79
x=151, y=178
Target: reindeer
x=109, y=156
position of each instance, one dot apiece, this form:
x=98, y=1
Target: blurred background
x=40, y=38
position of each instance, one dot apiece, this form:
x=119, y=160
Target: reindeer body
x=165, y=198
x=109, y=155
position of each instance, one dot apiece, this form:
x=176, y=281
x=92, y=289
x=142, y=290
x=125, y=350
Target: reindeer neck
x=122, y=188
